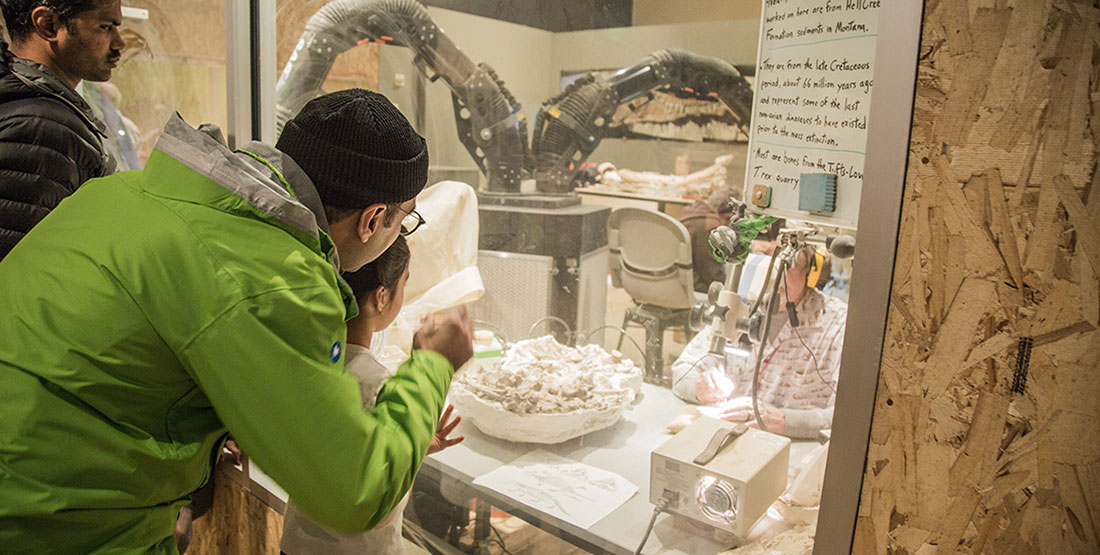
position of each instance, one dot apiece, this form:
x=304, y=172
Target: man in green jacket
x=157, y=310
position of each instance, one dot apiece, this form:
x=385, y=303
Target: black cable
x=773, y=306
x=792, y=314
x=817, y=368
x=500, y=540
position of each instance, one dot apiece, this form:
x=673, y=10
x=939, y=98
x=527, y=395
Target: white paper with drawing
x=574, y=492
x=813, y=92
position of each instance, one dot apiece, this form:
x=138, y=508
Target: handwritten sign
x=813, y=91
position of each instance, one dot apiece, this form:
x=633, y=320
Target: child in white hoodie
x=379, y=289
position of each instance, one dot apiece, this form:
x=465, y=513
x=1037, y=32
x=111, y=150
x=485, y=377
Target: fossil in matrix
x=546, y=392
x=700, y=184
x=685, y=119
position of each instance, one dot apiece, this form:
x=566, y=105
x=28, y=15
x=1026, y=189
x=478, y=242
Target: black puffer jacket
x=50, y=143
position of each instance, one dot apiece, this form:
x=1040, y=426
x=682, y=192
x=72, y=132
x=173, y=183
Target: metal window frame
x=250, y=71
x=888, y=129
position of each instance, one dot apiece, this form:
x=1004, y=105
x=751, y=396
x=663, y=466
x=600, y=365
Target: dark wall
x=556, y=16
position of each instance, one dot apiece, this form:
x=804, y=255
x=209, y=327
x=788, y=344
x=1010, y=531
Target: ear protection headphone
x=817, y=264
x=813, y=276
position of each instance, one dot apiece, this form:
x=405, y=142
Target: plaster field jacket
x=155, y=310
x=50, y=143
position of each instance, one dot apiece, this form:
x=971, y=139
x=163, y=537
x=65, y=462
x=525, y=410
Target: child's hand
x=446, y=426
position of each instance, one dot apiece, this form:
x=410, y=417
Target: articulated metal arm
x=490, y=123
x=570, y=125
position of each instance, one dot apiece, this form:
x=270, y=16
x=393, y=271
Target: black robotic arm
x=570, y=125
x=490, y=122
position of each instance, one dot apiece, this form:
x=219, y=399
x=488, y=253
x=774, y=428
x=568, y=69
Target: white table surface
x=623, y=448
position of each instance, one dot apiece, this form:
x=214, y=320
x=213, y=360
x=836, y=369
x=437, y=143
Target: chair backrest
x=651, y=257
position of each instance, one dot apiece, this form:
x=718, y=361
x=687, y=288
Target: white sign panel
x=813, y=91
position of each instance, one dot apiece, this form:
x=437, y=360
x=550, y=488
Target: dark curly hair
x=17, y=13
x=383, y=271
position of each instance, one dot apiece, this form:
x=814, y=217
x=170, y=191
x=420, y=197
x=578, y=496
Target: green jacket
x=156, y=310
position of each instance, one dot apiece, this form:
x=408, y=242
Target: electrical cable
x=648, y=529
x=588, y=339
x=773, y=305
x=693, y=365
x=817, y=367
x=662, y=505
x=503, y=550
x=531, y=331
x=500, y=540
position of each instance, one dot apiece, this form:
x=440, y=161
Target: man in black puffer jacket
x=50, y=142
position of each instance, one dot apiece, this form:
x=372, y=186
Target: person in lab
x=50, y=140
x=155, y=311
x=379, y=289
x=798, y=373
x=699, y=219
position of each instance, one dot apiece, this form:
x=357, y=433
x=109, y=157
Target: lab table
x=623, y=448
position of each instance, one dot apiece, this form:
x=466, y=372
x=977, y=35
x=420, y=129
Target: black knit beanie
x=357, y=148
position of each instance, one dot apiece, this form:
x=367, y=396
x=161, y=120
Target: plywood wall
x=977, y=445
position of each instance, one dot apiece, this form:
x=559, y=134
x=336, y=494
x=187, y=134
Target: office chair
x=651, y=260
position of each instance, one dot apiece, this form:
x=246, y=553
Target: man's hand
x=231, y=452
x=740, y=410
x=446, y=426
x=451, y=338
x=183, y=529
x=712, y=386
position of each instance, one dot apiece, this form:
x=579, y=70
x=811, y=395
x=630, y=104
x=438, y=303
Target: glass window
x=174, y=61
x=603, y=142
x=359, y=68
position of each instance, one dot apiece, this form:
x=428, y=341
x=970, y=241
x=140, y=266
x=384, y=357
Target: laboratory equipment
x=720, y=474
x=488, y=349
x=732, y=322
x=542, y=256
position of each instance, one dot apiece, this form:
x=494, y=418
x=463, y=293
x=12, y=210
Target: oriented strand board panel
x=986, y=431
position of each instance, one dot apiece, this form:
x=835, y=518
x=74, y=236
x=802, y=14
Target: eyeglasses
x=411, y=222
